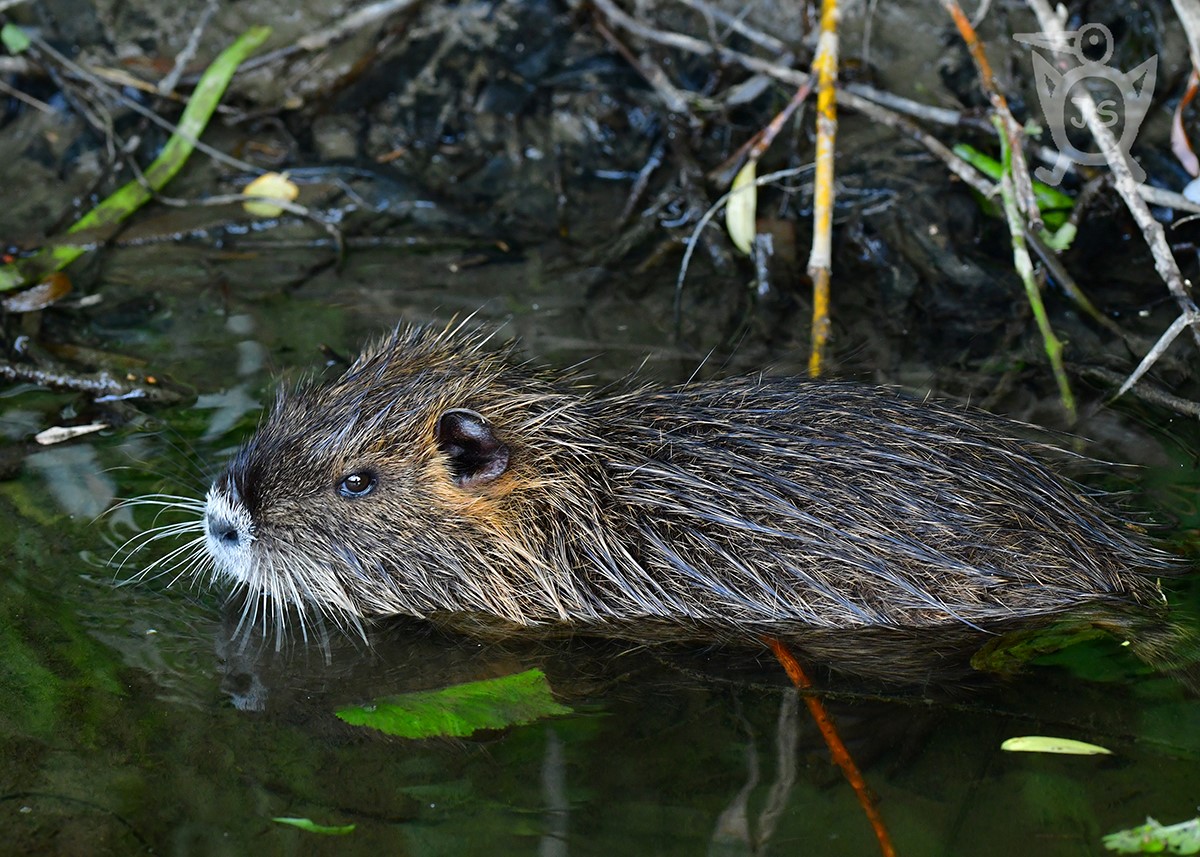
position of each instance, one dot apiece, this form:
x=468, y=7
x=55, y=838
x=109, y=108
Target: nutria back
x=440, y=479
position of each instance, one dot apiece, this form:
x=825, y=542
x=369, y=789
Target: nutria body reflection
x=441, y=480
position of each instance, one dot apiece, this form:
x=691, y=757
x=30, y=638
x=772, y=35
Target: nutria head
x=395, y=489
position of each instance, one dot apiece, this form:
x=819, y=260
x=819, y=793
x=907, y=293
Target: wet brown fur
x=710, y=511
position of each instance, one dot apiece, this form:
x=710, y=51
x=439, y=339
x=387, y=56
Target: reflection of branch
x=834, y=742
x=104, y=385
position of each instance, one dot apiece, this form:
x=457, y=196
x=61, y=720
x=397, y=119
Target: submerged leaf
x=1060, y=746
x=741, y=207
x=461, y=709
x=1008, y=653
x=312, y=827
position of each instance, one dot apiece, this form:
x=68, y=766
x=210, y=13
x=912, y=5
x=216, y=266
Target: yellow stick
x=820, y=259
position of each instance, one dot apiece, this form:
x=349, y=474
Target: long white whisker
x=140, y=540
x=156, y=569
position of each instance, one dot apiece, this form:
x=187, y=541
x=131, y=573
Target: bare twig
x=1008, y=127
x=672, y=98
x=754, y=148
x=104, y=385
x=28, y=99
x=737, y=25
x=1167, y=198
x=1164, y=342
x=352, y=23
x=327, y=35
x=330, y=227
x=1151, y=393
x=855, y=94
x=92, y=80
x=936, y=147
x=167, y=85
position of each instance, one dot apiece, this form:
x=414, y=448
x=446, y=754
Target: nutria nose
x=221, y=529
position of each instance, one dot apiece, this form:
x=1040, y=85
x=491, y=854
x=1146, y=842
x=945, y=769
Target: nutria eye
x=357, y=484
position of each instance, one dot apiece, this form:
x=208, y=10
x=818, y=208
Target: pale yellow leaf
x=1043, y=744
x=271, y=186
x=740, y=209
x=58, y=434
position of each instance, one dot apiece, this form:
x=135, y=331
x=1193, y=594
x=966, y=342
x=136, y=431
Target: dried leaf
x=271, y=186
x=741, y=207
x=57, y=434
x=1180, y=144
x=52, y=288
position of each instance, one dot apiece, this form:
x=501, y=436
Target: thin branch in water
x=166, y=86
x=35, y=103
x=834, y=742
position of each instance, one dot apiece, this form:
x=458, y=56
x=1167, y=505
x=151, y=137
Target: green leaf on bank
x=1054, y=205
x=1155, y=838
x=14, y=38
x=460, y=710
x=312, y=827
x=111, y=211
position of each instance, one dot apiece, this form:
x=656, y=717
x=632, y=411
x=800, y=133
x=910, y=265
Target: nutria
x=437, y=478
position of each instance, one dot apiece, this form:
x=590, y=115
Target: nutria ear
x=476, y=455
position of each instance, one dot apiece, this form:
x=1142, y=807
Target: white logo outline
x=1053, y=86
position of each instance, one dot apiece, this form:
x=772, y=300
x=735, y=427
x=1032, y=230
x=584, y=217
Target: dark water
x=135, y=719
